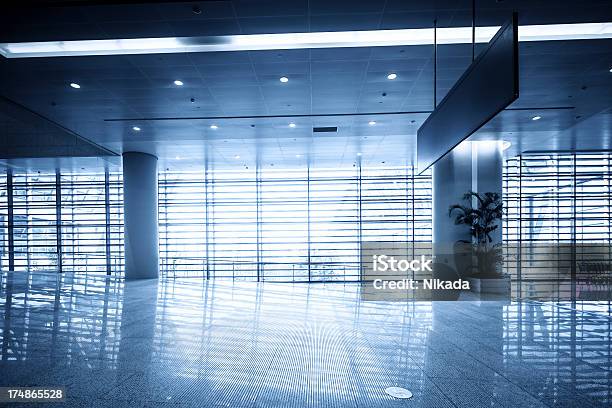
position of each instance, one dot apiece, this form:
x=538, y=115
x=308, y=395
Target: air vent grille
x=325, y=129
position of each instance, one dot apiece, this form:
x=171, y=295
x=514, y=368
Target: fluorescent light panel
x=375, y=38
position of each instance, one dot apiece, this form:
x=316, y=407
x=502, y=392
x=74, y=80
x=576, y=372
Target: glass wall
x=558, y=224
x=283, y=214
x=182, y=222
x=265, y=224
x=286, y=225
x=35, y=222
x=297, y=224
x=4, y=238
x=64, y=222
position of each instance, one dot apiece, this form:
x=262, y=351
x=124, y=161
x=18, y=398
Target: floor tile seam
x=498, y=373
x=477, y=383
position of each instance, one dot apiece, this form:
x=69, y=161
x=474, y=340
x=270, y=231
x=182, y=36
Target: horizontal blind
x=558, y=221
x=287, y=225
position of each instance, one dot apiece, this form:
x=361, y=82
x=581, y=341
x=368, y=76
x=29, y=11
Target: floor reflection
x=196, y=343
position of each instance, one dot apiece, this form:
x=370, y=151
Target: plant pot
x=498, y=286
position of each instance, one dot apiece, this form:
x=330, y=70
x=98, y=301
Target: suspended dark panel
x=487, y=87
x=26, y=134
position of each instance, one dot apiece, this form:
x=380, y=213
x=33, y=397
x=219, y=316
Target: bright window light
x=253, y=42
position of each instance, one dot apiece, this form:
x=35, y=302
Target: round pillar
x=140, y=215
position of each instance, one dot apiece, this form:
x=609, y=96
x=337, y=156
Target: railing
x=239, y=269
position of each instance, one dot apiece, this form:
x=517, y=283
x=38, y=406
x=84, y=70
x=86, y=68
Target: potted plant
x=483, y=219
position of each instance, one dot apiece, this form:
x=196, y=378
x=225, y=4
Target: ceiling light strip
x=255, y=42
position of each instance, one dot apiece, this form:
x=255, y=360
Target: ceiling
x=567, y=83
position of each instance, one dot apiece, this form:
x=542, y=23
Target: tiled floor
x=188, y=343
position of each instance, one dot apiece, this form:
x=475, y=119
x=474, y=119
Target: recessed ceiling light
x=298, y=155
x=213, y=127
x=178, y=82
x=237, y=156
x=75, y=85
x=536, y=118
x=284, y=79
x=372, y=122
x=178, y=157
x=136, y=128
x=359, y=154
x=292, y=125
x=392, y=76
x=610, y=69
x=506, y=145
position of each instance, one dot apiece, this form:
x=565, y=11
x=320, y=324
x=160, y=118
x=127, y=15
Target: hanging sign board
x=487, y=87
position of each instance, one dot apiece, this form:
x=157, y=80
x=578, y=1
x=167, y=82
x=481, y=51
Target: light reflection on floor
x=188, y=343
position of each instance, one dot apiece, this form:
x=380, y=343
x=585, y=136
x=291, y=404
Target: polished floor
x=189, y=343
